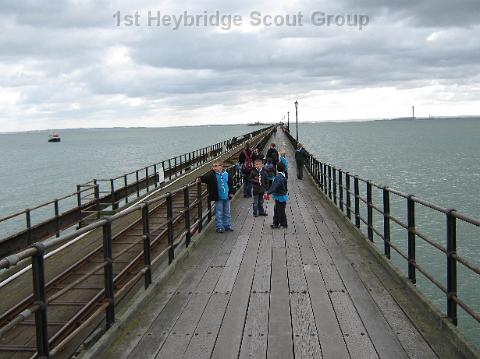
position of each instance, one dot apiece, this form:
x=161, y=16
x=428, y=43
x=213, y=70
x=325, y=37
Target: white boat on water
x=54, y=137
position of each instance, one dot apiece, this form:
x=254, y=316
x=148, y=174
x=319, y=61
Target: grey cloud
x=63, y=45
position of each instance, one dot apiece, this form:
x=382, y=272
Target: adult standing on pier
x=273, y=153
x=246, y=161
x=300, y=155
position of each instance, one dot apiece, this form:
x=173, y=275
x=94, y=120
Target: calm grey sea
x=437, y=159
x=33, y=171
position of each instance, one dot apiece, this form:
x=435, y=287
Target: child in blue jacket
x=279, y=191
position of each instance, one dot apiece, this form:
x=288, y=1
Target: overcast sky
x=67, y=63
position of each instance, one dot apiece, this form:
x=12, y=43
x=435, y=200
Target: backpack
x=248, y=164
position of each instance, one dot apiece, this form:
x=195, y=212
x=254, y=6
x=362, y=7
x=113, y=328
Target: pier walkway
x=313, y=290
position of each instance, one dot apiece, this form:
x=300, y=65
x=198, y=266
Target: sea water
x=438, y=160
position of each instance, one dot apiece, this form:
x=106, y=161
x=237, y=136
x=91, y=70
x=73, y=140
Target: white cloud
x=66, y=64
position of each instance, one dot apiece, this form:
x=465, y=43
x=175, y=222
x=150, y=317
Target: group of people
x=262, y=177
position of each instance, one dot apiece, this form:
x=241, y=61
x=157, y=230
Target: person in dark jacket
x=220, y=190
x=259, y=180
x=279, y=192
x=273, y=153
x=300, y=155
x=246, y=159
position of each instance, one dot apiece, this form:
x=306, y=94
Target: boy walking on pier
x=220, y=190
x=259, y=180
x=279, y=190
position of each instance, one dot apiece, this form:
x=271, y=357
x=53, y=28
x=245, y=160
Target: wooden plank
x=308, y=255
x=230, y=271
x=280, y=342
x=305, y=337
x=330, y=335
x=153, y=338
x=265, y=250
x=357, y=339
x=254, y=342
x=230, y=334
x=209, y=281
x=203, y=339
x=296, y=279
x=384, y=339
x=261, y=280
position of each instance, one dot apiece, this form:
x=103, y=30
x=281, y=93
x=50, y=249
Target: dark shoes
x=220, y=230
x=277, y=226
x=260, y=214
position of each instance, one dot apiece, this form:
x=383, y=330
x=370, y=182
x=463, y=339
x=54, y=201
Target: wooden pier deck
x=310, y=291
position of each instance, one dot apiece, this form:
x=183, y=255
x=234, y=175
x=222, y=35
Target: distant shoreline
x=466, y=117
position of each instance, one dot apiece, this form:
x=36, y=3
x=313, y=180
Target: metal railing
x=96, y=197
x=106, y=299
x=342, y=187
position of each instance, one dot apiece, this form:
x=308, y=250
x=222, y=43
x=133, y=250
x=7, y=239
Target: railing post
x=357, y=201
x=369, y=211
x=79, y=206
x=137, y=183
x=40, y=299
x=147, y=179
x=108, y=272
x=411, y=239
x=209, y=207
x=199, y=206
x=386, y=221
x=112, y=194
x=325, y=183
x=334, y=180
x=451, y=266
x=146, y=245
x=169, y=168
x=57, y=218
x=349, y=200
x=340, y=187
x=28, y=222
x=155, y=171
x=321, y=175
x=329, y=181
x=125, y=185
x=97, y=198
x=79, y=197
x=186, y=205
x=171, y=251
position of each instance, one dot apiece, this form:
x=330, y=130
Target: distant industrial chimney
x=413, y=112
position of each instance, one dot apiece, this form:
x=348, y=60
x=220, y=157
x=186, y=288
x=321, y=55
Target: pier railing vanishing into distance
x=345, y=192
x=152, y=232
x=98, y=196
x=127, y=244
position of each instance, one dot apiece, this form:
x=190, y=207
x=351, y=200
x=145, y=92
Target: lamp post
x=288, y=121
x=296, y=118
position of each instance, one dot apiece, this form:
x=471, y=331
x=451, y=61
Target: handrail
x=110, y=196
x=322, y=175
x=107, y=295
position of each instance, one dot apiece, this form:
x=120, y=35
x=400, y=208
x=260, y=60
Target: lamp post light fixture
x=296, y=118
